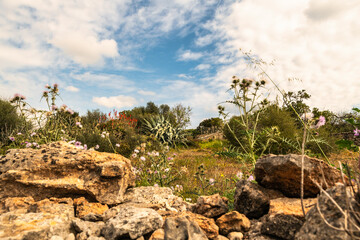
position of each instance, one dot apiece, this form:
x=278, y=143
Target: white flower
x=134, y=155
x=142, y=158
x=307, y=116
x=211, y=181
x=239, y=175
x=156, y=185
x=117, y=145
x=136, y=151
x=97, y=146
x=167, y=169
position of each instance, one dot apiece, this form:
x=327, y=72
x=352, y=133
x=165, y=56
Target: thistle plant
x=246, y=99
x=204, y=183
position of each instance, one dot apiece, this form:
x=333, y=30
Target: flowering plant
x=153, y=167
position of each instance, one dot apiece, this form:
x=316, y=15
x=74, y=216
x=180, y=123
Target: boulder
x=250, y=199
x=282, y=172
x=233, y=222
x=290, y=206
x=208, y=225
x=62, y=170
x=182, y=228
x=316, y=228
x=132, y=222
x=211, y=206
x=281, y=226
x=87, y=229
x=255, y=230
x=23, y=218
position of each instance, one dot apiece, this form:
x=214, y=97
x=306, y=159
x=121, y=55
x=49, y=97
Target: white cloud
x=316, y=41
x=188, y=55
x=203, y=67
x=115, y=101
x=186, y=76
x=71, y=89
x=146, y=93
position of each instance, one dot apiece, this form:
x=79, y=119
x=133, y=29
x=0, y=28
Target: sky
x=121, y=54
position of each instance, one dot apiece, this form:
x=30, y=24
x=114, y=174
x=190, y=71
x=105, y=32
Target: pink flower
x=97, y=146
x=356, y=132
x=12, y=139
x=321, y=122
x=251, y=178
x=54, y=107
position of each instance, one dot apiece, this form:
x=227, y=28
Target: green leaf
x=347, y=144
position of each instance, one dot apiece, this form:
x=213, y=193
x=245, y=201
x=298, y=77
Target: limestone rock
x=235, y=236
x=158, y=235
x=208, y=225
x=159, y=198
x=290, y=206
x=132, y=222
x=282, y=172
x=255, y=230
x=88, y=228
x=315, y=228
x=250, y=199
x=220, y=237
x=36, y=220
x=211, y=206
x=89, y=211
x=233, y=222
x=63, y=170
x=182, y=228
x=281, y=226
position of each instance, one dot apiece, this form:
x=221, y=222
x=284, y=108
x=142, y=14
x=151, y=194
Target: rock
x=132, y=222
x=158, y=235
x=235, y=236
x=315, y=227
x=208, y=225
x=255, y=230
x=63, y=170
x=220, y=237
x=281, y=226
x=282, y=172
x=89, y=211
x=250, y=199
x=159, y=198
x=36, y=220
x=290, y=206
x=233, y=222
x=211, y=206
x=55, y=237
x=89, y=228
x=182, y=228
x=71, y=236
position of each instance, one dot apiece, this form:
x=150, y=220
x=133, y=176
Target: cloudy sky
x=121, y=54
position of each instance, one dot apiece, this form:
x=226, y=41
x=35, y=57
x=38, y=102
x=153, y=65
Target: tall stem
x=302, y=170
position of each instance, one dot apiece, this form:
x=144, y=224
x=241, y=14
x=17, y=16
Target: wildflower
x=321, y=122
x=211, y=181
x=72, y=141
x=85, y=147
x=167, y=169
x=79, y=124
x=155, y=172
x=70, y=111
x=143, y=145
x=134, y=155
x=184, y=169
x=169, y=158
x=28, y=145
x=19, y=133
x=251, y=178
x=156, y=154
x=307, y=116
x=56, y=85
x=97, y=146
x=35, y=144
x=32, y=134
x=188, y=199
x=356, y=132
x=164, y=176
x=77, y=144
x=239, y=175
x=62, y=130
x=142, y=158
x=117, y=145
x=156, y=185
x=136, y=151
x=47, y=86
x=54, y=107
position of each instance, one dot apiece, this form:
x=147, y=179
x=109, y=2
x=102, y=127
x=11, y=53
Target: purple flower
x=77, y=143
x=85, y=147
x=28, y=145
x=251, y=178
x=321, y=122
x=169, y=158
x=356, y=132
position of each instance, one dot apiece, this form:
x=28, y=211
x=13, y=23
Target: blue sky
x=122, y=54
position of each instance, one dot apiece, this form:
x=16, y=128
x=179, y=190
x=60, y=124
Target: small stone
x=233, y=222
x=158, y=235
x=235, y=236
x=211, y=206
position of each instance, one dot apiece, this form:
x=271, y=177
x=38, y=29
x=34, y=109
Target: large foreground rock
x=315, y=227
x=63, y=170
x=182, y=228
x=282, y=172
x=23, y=218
